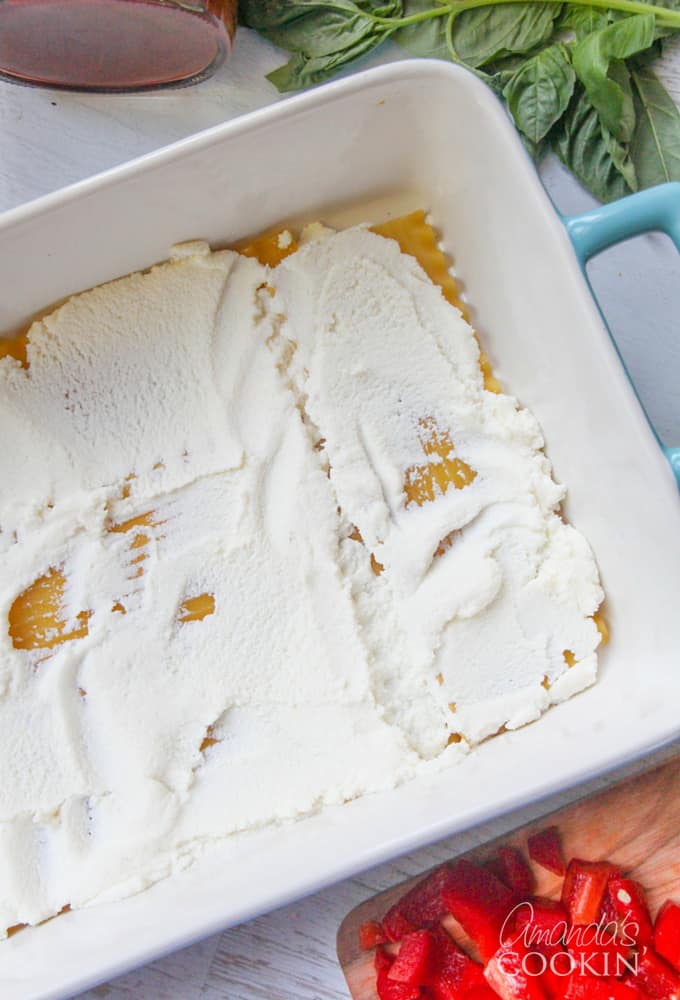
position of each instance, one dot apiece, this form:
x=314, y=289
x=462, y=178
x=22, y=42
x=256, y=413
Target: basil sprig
x=575, y=77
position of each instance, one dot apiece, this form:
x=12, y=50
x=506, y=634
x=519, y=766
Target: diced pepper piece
x=506, y=973
x=370, y=935
x=595, y=953
x=387, y=988
x=609, y=915
x=667, y=933
x=454, y=973
x=549, y=963
x=512, y=869
x=654, y=976
x=420, y=907
x=480, y=903
x=618, y=990
x=481, y=992
x=579, y=987
x=584, y=888
x=395, y=925
x=558, y=967
x=545, y=849
x=540, y=921
x=382, y=960
x=628, y=900
x=413, y=964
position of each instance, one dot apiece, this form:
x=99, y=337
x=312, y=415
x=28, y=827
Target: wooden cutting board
x=636, y=824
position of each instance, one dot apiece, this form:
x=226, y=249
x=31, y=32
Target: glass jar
x=114, y=45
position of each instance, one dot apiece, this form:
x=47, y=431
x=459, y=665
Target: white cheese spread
x=217, y=428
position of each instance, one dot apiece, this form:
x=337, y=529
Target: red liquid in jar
x=110, y=44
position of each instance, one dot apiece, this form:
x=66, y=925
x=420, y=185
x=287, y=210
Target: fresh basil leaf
x=498, y=82
x=655, y=147
x=598, y=61
x=425, y=38
x=619, y=76
x=484, y=34
x=649, y=56
x=298, y=17
x=583, y=20
x=591, y=152
x=539, y=93
x=305, y=71
x=323, y=35
x=316, y=27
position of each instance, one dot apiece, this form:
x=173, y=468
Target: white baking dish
x=411, y=134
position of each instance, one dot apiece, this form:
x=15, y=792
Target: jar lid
x=114, y=45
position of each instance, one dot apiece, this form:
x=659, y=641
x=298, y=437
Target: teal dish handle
x=657, y=209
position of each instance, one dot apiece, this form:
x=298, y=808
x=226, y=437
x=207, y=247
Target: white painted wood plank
x=668, y=68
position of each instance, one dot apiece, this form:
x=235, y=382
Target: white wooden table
x=50, y=139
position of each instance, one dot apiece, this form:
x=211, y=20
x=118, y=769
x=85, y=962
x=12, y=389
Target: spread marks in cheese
x=267, y=506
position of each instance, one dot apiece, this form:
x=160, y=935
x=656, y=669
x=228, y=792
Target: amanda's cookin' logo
x=602, y=949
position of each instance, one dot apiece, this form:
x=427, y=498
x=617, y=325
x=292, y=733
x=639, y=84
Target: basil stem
x=664, y=15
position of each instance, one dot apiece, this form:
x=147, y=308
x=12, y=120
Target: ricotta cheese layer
x=285, y=517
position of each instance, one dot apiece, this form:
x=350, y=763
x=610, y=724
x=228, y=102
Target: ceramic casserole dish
x=413, y=134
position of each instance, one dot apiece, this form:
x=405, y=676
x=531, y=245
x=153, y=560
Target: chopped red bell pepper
x=584, y=888
x=540, y=925
x=420, y=907
x=481, y=992
x=511, y=868
x=382, y=960
x=413, y=964
x=597, y=953
x=511, y=976
x=545, y=849
x=578, y=987
x=628, y=901
x=596, y=944
x=618, y=990
x=480, y=903
x=667, y=933
x=370, y=935
x=395, y=925
x=540, y=921
x=454, y=974
x=558, y=967
x=654, y=976
x=551, y=964
x=586, y=988
x=609, y=915
x=387, y=988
